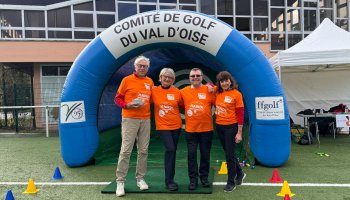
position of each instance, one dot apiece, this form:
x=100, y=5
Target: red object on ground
x=276, y=177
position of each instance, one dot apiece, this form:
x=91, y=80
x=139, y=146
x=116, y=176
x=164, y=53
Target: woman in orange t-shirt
x=229, y=111
x=167, y=99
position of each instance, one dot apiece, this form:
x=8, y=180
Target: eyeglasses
x=167, y=77
x=197, y=75
x=142, y=66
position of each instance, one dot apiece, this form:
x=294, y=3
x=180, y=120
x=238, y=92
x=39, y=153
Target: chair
x=333, y=128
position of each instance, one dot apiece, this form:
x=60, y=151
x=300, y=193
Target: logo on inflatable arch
x=72, y=112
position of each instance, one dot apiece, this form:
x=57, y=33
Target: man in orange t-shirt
x=133, y=97
x=199, y=127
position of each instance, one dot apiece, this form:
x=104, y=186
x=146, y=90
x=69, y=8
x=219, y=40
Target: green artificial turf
x=23, y=158
x=155, y=180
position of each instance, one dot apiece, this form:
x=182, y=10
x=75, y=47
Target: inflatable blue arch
x=263, y=94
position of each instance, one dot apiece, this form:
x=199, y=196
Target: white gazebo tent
x=315, y=73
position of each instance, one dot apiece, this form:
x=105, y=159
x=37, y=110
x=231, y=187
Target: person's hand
x=135, y=104
x=238, y=138
x=132, y=105
x=211, y=88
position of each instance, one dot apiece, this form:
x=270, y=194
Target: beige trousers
x=139, y=130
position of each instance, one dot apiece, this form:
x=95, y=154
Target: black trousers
x=227, y=134
x=170, y=138
x=204, y=141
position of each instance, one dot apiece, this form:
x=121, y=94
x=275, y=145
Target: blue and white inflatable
x=263, y=94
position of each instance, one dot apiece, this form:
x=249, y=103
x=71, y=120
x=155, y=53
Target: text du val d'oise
x=158, y=32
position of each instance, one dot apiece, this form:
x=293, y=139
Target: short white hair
x=139, y=58
x=167, y=71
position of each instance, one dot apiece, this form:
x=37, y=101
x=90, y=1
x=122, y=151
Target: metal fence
x=29, y=119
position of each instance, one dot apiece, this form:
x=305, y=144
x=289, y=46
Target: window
x=84, y=35
x=145, y=8
x=260, y=7
x=310, y=3
x=125, y=10
x=208, y=7
x=10, y=18
x=163, y=7
x=261, y=37
x=243, y=24
x=105, y=5
x=52, y=81
x=293, y=3
x=228, y=20
x=277, y=19
x=326, y=4
x=326, y=14
x=293, y=39
x=167, y=1
x=242, y=7
x=60, y=34
x=35, y=34
x=191, y=8
x=225, y=7
x=309, y=20
x=341, y=9
x=342, y=23
x=11, y=33
x=105, y=21
x=34, y=19
x=293, y=20
x=261, y=24
x=84, y=6
x=187, y=1
x=278, y=42
x=49, y=71
x=277, y=2
x=83, y=20
x=148, y=1
x=59, y=18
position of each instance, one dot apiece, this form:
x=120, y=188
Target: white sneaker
x=120, y=189
x=142, y=184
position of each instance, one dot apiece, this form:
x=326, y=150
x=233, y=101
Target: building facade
x=43, y=37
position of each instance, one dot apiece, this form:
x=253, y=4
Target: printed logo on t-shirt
x=147, y=86
x=201, y=95
x=165, y=108
x=220, y=110
x=144, y=96
x=228, y=99
x=170, y=97
x=195, y=109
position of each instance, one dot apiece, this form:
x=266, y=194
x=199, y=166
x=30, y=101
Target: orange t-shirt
x=226, y=104
x=133, y=87
x=198, y=104
x=166, y=108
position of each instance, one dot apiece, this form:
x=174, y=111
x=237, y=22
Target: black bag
x=306, y=112
x=304, y=140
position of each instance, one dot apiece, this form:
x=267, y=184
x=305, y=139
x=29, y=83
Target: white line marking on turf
x=214, y=183
x=290, y=184
x=56, y=183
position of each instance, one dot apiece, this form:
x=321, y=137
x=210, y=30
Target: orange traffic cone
x=285, y=190
x=31, y=188
x=275, y=177
x=223, y=168
x=286, y=197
